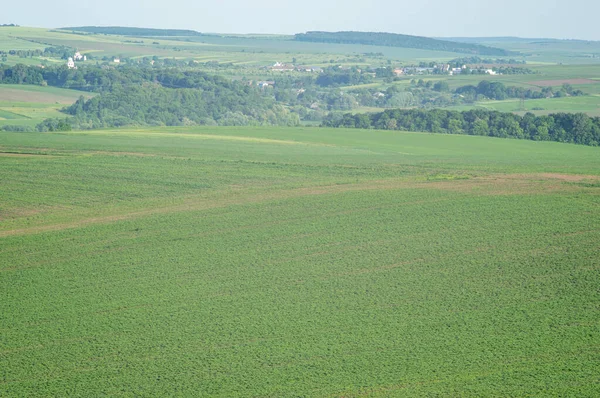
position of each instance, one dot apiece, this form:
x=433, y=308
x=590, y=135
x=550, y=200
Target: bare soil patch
x=22, y=155
x=504, y=184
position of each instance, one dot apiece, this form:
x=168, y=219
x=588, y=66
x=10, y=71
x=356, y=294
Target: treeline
x=127, y=31
x=458, y=62
x=499, y=91
x=398, y=40
x=51, y=52
x=575, y=128
x=99, y=79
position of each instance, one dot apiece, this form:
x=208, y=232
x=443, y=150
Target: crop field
x=28, y=105
x=588, y=104
x=297, y=262
x=242, y=50
x=550, y=51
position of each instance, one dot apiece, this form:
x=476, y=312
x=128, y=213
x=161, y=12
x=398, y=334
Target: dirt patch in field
x=24, y=155
x=505, y=184
x=560, y=82
x=568, y=177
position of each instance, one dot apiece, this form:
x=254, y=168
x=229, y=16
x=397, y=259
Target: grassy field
x=587, y=104
x=28, y=105
x=297, y=262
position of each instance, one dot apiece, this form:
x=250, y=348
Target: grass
x=297, y=262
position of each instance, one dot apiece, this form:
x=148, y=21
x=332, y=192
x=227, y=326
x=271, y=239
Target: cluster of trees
x=575, y=128
x=334, y=77
x=499, y=91
x=153, y=96
x=21, y=74
x=127, y=31
x=153, y=104
x=398, y=40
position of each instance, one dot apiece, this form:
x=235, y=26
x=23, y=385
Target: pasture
x=297, y=262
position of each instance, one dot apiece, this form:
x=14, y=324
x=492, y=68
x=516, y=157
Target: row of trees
x=575, y=128
x=103, y=78
x=62, y=52
x=459, y=62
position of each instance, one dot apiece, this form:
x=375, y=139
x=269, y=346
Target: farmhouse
x=78, y=56
x=71, y=64
x=398, y=71
x=278, y=67
x=116, y=60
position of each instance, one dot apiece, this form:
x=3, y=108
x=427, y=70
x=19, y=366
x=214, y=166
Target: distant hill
x=127, y=31
x=398, y=40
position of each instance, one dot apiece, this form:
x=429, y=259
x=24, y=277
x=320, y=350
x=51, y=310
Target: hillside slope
x=399, y=40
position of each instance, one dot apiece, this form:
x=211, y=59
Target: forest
x=147, y=96
x=577, y=128
x=399, y=40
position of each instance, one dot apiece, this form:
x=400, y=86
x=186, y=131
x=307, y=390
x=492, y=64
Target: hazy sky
x=525, y=18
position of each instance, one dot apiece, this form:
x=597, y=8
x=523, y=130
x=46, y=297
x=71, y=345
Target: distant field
x=297, y=262
x=587, y=104
x=28, y=105
x=568, y=52
x=555, y=83
x=39, y=94
x=251, y=49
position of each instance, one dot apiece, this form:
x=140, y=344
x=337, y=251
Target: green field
x=297, y=262
x=587, y=104
x=28, y=105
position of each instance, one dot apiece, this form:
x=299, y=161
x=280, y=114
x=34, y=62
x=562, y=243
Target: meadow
x=297, y=262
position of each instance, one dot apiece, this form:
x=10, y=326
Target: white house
x=116, y=60
x=78, y=56
x=279, y=67
x=490, y=72
x=71, y=64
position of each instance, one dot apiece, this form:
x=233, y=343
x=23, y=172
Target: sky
x=573, y=19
